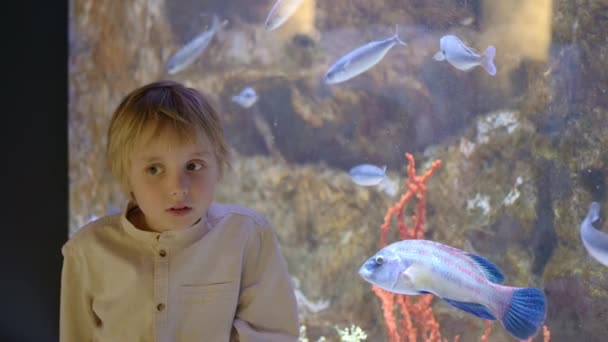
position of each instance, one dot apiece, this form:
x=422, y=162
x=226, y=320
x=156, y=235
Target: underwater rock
x=579, y=302
x=594, y=181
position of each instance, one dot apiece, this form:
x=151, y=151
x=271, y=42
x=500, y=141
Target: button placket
x=161, y=285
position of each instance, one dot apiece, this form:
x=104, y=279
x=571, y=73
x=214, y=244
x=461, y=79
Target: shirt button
x=160, y=307
x=162, y=253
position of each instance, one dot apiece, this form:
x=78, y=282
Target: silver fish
x=595, y=241
x=466, y=281
x=368, y=175
x=360, y=59
x=280, y=12
x=463, y=57
x=192, y=50
x=247, y=98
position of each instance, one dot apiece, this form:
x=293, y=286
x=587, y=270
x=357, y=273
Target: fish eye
x=379, y=259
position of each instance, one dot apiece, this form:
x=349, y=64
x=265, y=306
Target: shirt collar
x=174, y=238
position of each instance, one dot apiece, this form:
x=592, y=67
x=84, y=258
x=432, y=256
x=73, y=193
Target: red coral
x=417, y=317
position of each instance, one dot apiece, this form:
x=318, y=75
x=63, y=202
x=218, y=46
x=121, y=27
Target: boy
x=174, y=266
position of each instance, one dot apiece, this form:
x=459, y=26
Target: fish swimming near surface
x=280, y=12
x=463, y=57
x=595, y=241
x=466, y=281
x=192, y=50
x=361, y=59
x=247, y=98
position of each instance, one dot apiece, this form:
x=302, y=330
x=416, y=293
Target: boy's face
x=172, y=182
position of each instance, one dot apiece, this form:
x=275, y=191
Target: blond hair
x=159, y=105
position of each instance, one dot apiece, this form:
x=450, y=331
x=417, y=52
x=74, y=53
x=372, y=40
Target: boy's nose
x=179, y=193
x=179, y=187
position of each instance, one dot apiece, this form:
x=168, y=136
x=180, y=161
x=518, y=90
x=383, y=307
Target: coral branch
x=417, y=317
x=415, y=187
x=487, y=331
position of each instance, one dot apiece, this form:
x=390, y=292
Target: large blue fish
x=595, y=241
x=466, y=281
x=463, y=57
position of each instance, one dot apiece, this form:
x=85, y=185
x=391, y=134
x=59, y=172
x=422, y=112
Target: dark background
x=35, y=166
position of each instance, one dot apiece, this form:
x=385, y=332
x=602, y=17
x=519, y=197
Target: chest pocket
x=206, y=312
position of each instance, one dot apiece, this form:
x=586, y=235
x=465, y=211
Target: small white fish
x=361, y=59
x=595, y=241
x=463, y=57
x=280, y=12
x=368, y=175
x=246, y=98
x=466, y=281
x=192, y=50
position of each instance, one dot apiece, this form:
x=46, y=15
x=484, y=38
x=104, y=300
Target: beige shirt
x=223, y=279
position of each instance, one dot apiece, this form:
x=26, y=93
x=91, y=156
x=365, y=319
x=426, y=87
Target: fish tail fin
x=399, y=41
x=525, y=313
x=487, y=61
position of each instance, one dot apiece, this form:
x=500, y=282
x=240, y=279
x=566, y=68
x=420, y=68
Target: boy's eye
x=153, y=170
x=195, y=166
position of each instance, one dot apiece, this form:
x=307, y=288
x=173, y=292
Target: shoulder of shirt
x=220, y=211
x=90, y=232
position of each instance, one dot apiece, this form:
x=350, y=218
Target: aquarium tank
x=472, y=133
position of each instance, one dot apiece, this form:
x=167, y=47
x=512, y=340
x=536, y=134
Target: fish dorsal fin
x=490, y=271
x=471, y=50
x=472, y=308
x=466, y=48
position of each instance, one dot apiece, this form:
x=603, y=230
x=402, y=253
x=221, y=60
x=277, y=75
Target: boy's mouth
x=179, y=210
